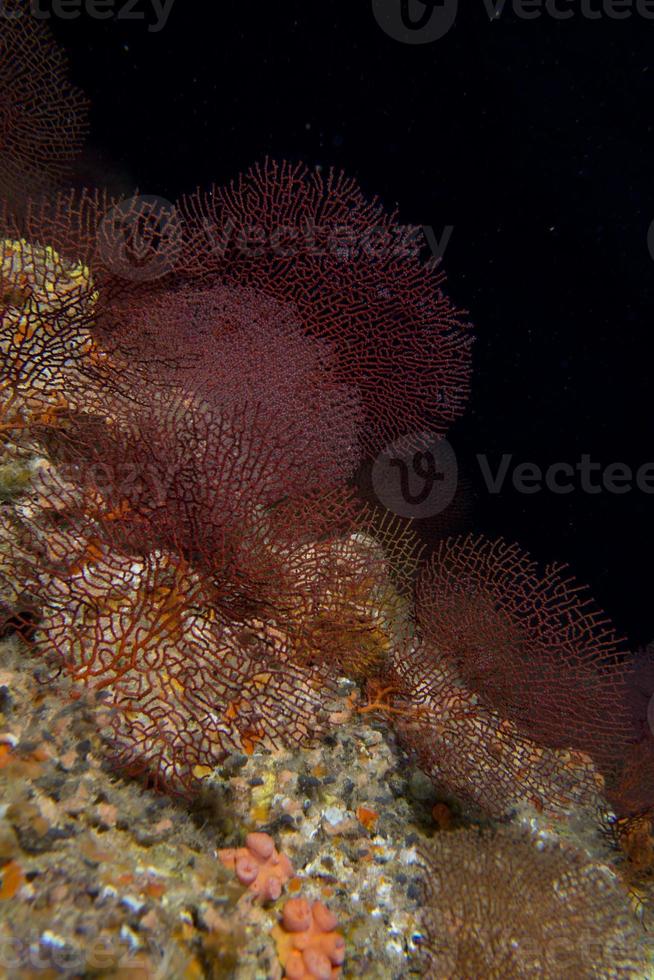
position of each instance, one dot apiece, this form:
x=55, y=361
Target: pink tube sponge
x=259, y=866
x=308, y=945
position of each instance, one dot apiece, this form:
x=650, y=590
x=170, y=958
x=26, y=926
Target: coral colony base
x=350, y=761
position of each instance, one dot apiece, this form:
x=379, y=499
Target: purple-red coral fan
x=474, y=754
x=317, y=255
x=353, y=275
x=203, y=424
x=43, y=118
x=189, y=670
x=632, y=793
x=533, y=646
x=516, y=689
x=247, y=357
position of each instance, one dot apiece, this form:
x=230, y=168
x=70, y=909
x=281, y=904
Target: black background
x=533, y=139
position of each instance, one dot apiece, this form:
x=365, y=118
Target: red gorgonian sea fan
x=43, y=118
x=633, y=791
x=56, y=282
x=395, y=342
x=246, y=355
x=474, y=754
x=179, y=558
x=206, y=423
x=355, y=278
x=195, y=438
x=193, y=663
x=533, y=647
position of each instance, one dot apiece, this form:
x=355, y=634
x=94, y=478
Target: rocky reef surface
x=102, y=877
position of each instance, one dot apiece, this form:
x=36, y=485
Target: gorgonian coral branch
x=475, y=754
x=184, y=682
x=43, y=118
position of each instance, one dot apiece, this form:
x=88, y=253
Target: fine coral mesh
x=341, y=604
x=533, y=647
x=183, y=684
x=476, y=755
x=190, y=517
x=212, y=343
x=43, y=118
x=188, y=475
x=45, y=305
x=58, y=284
x=631, y=792
x=398, y=353
x=499, y=905
x=354, y=276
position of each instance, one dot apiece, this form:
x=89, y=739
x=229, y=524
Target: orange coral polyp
x=309, y=948
x=296, y=916
x=259, y=866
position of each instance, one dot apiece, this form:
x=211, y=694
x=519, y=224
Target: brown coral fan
x=59, y=283
x=208, y=634
x=632, y=792
x=344, y=597
x=213, y=343
x=45, y=306
x=397, y=347
x=166, y=571
x=498, y=906
x=43, y=118
x=211, y=440
x=635, y=838
x=197, y=556
x=533, y=647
